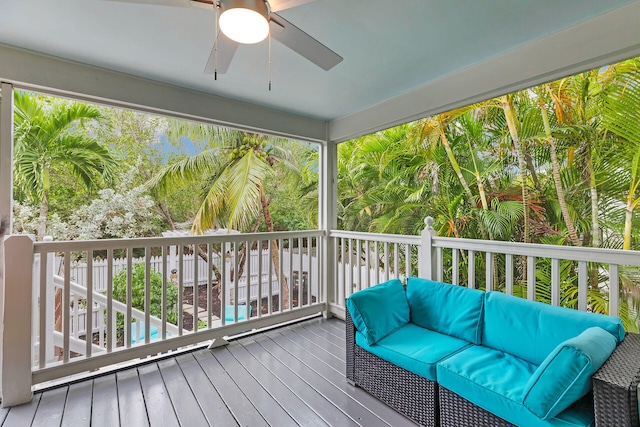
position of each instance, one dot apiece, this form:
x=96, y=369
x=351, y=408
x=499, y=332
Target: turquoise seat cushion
x=565, y=375
x=380, y=310
x=448, y=309
x=531, y=330
x=496, y=381
x=415, y=349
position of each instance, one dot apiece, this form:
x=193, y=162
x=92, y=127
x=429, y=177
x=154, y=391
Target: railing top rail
x=572, y=253
x=376, y=237
x=82, y=245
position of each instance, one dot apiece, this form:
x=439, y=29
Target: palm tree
x=234, y=170
x=47, y=137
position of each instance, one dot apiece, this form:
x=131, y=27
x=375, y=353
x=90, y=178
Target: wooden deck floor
x=285, y=377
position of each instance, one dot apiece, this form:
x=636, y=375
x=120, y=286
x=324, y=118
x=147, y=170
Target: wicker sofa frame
x=615, y=389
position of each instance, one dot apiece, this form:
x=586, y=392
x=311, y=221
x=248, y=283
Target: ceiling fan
x=251, y=21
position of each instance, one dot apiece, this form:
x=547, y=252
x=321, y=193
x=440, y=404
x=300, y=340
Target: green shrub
x=137, y=294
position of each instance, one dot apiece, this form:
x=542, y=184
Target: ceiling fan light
x=245, y=21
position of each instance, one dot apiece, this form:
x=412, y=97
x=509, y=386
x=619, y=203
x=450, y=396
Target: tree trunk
x=275, y=253
x=512, y=124
x=463, y=181
x=555, y=168
x=42, y=220
x=628, y=221
x=595, y=220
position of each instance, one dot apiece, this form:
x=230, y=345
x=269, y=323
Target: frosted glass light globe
x=244, y=25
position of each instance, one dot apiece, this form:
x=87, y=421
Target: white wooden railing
x=533, y=271
x=55, y=327
x=329, y=266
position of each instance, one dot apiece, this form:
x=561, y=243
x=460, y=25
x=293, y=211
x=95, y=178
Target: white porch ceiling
x=402, y=59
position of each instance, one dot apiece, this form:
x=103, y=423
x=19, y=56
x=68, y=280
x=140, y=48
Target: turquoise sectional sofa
x=453, y=356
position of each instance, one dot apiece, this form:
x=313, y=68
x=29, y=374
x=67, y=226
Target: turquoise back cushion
x=565, y=375
x=448, y=309
x=531, y=330
x=380, y=310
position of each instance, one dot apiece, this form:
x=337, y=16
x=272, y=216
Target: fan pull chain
x=216, y=6
x=269, y=72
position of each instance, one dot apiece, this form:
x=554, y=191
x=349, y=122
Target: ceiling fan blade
x=175, y=3
x=226, y=49
x=278, y=5
x=302, y=43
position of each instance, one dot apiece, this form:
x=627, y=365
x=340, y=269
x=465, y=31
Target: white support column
x=427, y=257
x=6, y=154
x=16, y=321
x=327, y=221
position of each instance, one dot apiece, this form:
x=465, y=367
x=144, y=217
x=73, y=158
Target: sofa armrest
x=615, y=386
x=350, y=343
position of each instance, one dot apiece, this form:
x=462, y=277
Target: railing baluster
x=509, y=274
x=359, y=264
x=224, y=250
x=455, y=267
x=367, y=271
x=163, y=300
x=291, y=281
x=111, y=334
x=583, y=285
x=407, y=261
x=351, y=267
x=489, y=272
x=555, y=281
x=439, y=264
x=281, y=278
x=180, y=288
x=270, y=282
x=471, y=270
x=531, y=278
x=43, y=319
x=66, y=309
x=386, y=261
x=89, y=316
x=196, y=286
x=614, y=291
x=147, y=297
x=247, y=260
x=209, y=280
x=236, y=281
x=300, y=272
x=259, y=300
x=127, y=317
x=396, y=260
x=309, y=270
x=376, y=254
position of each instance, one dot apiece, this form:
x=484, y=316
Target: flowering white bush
x=116, y=213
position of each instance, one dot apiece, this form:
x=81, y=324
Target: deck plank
x=339, y=398
x=305, y=391
x=3, y=414
x=22, y=415
x=338, y=352
x=159, y=406
x=242, y=409
x=51, y=407
x=105, y=402
x=322, y=364
x=299, y=411
x=270, y=409
x=326, y=336
x=289, y=376
x=77, y=411
x=133, y=411
x=184, y=402
x=210, y=402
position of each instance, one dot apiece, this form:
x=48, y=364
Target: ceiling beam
x=608, y=38
x=66, y=78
